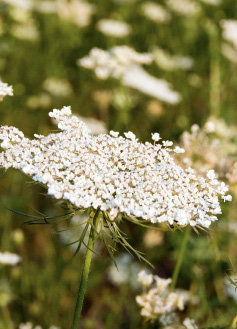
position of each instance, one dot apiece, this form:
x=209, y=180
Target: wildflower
x=145, y=279
x=158, y=302
x=183, y=7
x=126, y=271
x=119, y=175
x=130, y=135
x=5, y=90
x=137, y=78
x=179, y=150
x=227, y=197
x=113, y=28
x=124, y=63
x=229, y=27
x=156, y=137
x=114, y=133
x=155, y=12
x=189, y=324
x=113, y=63
x=8, y=258
x=57, y=87
x=77, y=11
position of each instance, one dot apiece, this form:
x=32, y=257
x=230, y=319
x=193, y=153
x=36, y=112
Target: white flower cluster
x=5, y=90
x=229, y=27
x=125, y=63
x=113, y=28
x=155, y=12
x=113, y=63
x=183, y=7
x=7, y=258
x=158, y=301
x=117, y=174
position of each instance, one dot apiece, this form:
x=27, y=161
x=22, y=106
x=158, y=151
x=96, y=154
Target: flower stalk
x=85, y=271
x=180, y=258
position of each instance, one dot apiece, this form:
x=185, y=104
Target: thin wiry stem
x=85, y=271
x=180, y=258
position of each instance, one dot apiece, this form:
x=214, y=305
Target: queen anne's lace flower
x=158, y=301
x=117, y=174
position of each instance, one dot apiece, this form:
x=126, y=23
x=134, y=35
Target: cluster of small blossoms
x=113, y=173
x=157, y=303
x=5, y=90
x=210, y=147
x=113, y=63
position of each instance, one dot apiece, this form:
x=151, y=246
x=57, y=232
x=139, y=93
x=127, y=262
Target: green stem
x=180, y=259
x=85, y=271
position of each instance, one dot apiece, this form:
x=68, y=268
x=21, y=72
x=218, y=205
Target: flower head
x=117, y=174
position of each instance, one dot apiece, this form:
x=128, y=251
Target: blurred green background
x=40, y=44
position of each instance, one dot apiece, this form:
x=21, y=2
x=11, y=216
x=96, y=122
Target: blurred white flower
x=144, y=278
x=137, y=78
x=5, y=90
x=158, y=301
x=155, y=12
x=114, y=28
x=7, y=258
x=171, y=63
x=113, y=63
x=26, y=31
x=41, y=100
x=189, y=324
x=24, y=4
x=229, y=52
x=126, y=272
x=183, y=7
x=57, y=87
x=78, y=12
x=229, y=33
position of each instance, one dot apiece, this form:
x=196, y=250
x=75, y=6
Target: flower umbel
x=115, y=174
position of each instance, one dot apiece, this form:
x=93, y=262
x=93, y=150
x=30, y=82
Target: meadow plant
x=157, y=301
x=113, y=178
